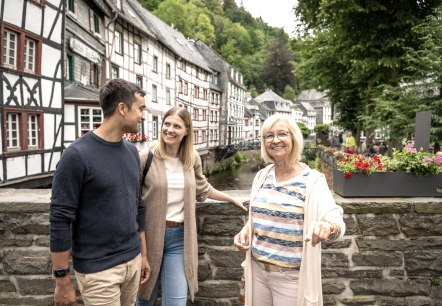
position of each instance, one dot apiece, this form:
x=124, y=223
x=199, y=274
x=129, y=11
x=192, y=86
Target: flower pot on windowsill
x=387, y=184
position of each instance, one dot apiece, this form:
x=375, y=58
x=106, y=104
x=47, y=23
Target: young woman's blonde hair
x=185, y=151
x=295, y=135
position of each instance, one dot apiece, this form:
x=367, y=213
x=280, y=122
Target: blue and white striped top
x=278, y=220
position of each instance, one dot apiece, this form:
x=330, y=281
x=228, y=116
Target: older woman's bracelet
x=335, y=231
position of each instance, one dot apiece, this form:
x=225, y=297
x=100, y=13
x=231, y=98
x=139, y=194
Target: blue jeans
x=173, y=277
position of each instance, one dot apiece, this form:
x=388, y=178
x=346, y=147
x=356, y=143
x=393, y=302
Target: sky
x=276, y=13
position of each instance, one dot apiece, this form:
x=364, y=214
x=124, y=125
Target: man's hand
x=65, y=293
x=145, y=270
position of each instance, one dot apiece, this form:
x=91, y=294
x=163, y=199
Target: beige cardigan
x=154, y=194
x=319, y=205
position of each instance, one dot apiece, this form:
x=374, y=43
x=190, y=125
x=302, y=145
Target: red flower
x=348, y=175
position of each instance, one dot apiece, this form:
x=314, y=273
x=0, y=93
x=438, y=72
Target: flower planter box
x=387, y=184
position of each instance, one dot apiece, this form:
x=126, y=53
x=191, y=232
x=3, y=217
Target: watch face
x=61, y=272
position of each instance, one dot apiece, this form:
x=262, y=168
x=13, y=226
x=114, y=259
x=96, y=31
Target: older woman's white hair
x=295, y=134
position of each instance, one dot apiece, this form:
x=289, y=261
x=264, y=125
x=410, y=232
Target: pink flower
x=428, y=159
x=438, y=159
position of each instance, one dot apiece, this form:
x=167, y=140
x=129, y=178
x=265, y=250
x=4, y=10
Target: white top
x=175, y=190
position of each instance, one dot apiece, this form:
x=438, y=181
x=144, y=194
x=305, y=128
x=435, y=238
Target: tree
x=278, y=67
x=304, y=129
x=356, y=49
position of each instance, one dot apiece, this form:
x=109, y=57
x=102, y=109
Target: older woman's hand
x=241, y=239
x=318, y=232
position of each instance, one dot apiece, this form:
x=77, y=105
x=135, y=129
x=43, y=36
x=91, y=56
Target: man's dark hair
x=115, y=91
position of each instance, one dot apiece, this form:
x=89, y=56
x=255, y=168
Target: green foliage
x=304, y=129
x=289, y=93
x=357, y=52
x=239, y=157
x=236, y=35
x=323, y=128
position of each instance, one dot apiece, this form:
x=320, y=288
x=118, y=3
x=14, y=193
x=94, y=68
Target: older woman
x=174, y=181
x=291, y=211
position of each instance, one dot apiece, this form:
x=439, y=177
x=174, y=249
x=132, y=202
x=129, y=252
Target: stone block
x=36, y=285
x=226, y=258
x=27, y=262
x=378, y=225
x=328, y=300
x=204, y=271
x=17, y=241
x=371, y=206
x=42, y=241
x=2, y=224
x=207, y=302
x=7, y=286
x=428, y=208
x=216, y=241
x=334, y=260
x=218, y=289
x=29, y=301
x=423, y=263
x=29, y=224
x=219, y=209
x=358, y=301
x=338, y=244
x=390, y=287
x=332, y=287
x=351, y=227
x=421, y=225
x=378, y=259
x=351, y=273
x=221, y=226
x=229, y=273
x=399, y=244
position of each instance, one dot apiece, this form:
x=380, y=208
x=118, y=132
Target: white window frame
x=154, y=93
x=87, y=123
x=33, y=130
x=118, y=42
x=154, y=127
x=29, y=55
x=13, y=131
x=137, y=53
x=7, y=48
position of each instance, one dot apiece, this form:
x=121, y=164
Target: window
x=195, y=114
x=154, y=93
x=69, y=67
x=155, y=127
x=29, y=54
x=72, y=6
x=195, y=136
x=118, y=42
x=24, y=130
x=10, y=40
x=186, y=88
x=94, y=22
x=12, y=131
x=119, y=4
x=168, y=99
x=115, y=72
x=204, y=115
x=139, y=81
x=168, y=71
x=155, y=64
x=21, y=51
x=137, y=53
x=90, y=119
x=196, y=91
x=33, y=130
x=205, y=94
x=95, y=75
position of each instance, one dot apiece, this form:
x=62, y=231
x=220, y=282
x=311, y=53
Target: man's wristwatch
x=61, y=272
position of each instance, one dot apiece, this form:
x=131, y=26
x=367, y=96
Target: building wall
x=31, y=92
x=390, y=255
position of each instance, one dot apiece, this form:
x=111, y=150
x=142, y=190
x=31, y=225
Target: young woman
x=291, y=211
x=174, y=183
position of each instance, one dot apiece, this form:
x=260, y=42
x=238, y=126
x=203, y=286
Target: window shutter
x=91, y=20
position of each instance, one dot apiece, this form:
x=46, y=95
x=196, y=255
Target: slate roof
x=170, y=37
x=77, y=92
x=269, y=95
x=103, y=7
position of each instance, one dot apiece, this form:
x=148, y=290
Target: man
x=350, y=143
x=96, y=213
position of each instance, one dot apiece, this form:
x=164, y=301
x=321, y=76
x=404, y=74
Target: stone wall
x=391, y=254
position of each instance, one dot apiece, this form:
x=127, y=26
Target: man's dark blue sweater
x=96, y=210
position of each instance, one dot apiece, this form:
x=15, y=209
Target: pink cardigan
x=319, y=205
